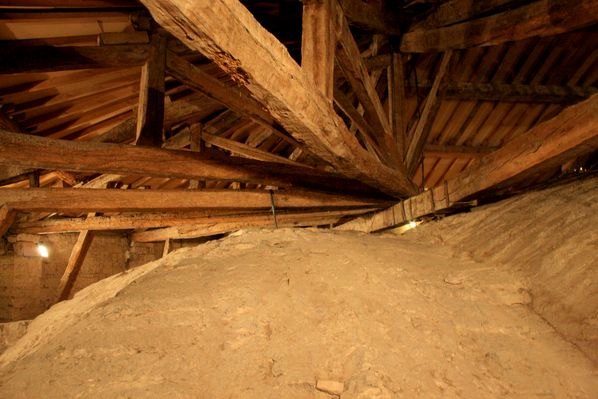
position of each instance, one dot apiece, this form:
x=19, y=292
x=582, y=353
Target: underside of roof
x=288, y=113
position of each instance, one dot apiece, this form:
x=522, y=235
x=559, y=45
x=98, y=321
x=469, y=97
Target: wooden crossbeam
x=354, y=70
x=570, y=134
x=424, y=124
x=20, y=59
x=93, y=200
x=540, y=18
x=122, y=159
x=152, y=220
x=318, y=42
x=150, y=111
x=227, y=33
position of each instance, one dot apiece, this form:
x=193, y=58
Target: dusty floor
x=268, y=314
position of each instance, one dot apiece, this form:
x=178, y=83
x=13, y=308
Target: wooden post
x=317, y=44
x=397, y=106
x=7, y=217
x=150, y=113
x=166, y=247
x=73, y=267
x=196, y=144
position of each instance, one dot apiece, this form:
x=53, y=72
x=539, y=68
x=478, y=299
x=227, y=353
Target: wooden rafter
x=454, y=11
x=78, y=253
x=540, y=18
x=372, y=15
x=93, y=200
x=424, y=124
x=229, y=35
x=7, y=217
x=570, y=134
x=456, y=151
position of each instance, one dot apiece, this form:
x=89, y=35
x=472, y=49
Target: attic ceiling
x=53, y=86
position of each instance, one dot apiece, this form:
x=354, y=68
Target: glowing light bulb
x=42, y=250
x=412, y=224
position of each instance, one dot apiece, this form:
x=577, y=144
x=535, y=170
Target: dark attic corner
x=299, y=199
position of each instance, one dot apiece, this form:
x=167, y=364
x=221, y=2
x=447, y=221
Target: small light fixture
x=412, y=224
x=42, y=250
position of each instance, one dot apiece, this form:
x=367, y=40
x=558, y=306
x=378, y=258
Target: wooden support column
x=318, y=41
x=34, y=179
x=166, y=247
x=150, y=112
x=397, y=107
x=424, y=124
x=78, y=253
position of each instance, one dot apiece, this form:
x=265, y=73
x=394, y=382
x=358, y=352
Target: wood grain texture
x=78, y=253
x=227, y=33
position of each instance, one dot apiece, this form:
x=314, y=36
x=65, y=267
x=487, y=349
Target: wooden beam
x=318, y=41
x=150, y=111
x=354, y=70
x=397, y=109
x=372, y=15
x=21, y=59
x=570, y=134
x=196, y=144
x=227, y=33
x=122, y=159
x=78, y=253
x=93, y=200
x=7, y=218
x=166, y=248
x=540, y=18
x=229, y=96
x=454, y=11
x=456, y=151
x=152, y=220
x=424, y=123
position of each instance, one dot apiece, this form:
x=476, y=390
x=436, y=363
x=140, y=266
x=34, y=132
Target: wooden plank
x=570, y=134
x=150, y=111
x=454, y=11
x=540, y=18
x=71, y=3
x=372, y=15
x=397, y=107
x=19, y=59
x=227, y=33
x=456, y=151
x=318, y=41
x=121, y=159
x=354, y=70
x=7, y=218
x=424, y=123
x=76, y=259
x=93, y=200
x=152, y=220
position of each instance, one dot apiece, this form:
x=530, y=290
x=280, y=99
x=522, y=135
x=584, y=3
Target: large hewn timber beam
x=372, y=15
x=318, y=41
x=44, y=153
x=93, y=200
x=152, y=220
x=424, y=123
x=570, y=134
x=397, y=110
x=150, y=111
x=227, y=33
x=16, y=59
x=540, y=18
